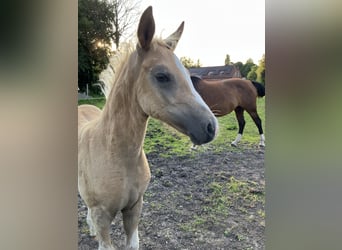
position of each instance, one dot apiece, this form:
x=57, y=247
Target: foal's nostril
x=211, y=129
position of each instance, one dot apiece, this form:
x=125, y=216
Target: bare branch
x=126, y=16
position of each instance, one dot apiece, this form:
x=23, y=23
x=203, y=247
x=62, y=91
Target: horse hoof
x=262, y=145
x=233, y=144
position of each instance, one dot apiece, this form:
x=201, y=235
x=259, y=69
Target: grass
x=99, y=102
x=233, y=193
x=163, y=138
x=242, y=195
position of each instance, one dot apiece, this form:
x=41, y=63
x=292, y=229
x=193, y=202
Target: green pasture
x=163, y=139
x=99, y=102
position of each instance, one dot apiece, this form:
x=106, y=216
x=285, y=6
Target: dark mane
x=195, y=79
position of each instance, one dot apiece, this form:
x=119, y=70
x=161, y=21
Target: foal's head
x=164, y=88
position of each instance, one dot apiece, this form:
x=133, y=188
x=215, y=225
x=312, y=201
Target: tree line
x=250, y=70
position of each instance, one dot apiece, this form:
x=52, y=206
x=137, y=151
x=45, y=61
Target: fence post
x=87, y=92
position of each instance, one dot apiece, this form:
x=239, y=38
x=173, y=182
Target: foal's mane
x=108, y=77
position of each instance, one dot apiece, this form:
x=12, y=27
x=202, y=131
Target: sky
x=213, y=28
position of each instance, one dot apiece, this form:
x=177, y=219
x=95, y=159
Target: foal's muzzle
x=204, y=131
x=199, y=124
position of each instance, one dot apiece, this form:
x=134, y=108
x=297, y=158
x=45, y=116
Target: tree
x=126, y=14
x=252, y=75
x=261, y=70
x=227, y=60
x=189, y=63
x=95, y=33
x=238, y=65
x=246, y=68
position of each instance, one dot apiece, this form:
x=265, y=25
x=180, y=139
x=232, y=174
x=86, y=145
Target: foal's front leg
x=90, y=223
x=131, y=217
x=100, y=219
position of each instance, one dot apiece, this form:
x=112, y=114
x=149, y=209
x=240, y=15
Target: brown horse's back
x=243, y=90
x=87, y=113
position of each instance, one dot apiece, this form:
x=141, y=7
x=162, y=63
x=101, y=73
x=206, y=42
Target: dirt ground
x=206, y=200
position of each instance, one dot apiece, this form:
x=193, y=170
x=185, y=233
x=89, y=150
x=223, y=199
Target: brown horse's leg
x=101, y=221
x=241, y=121
x=257, y=121
x=130, y=221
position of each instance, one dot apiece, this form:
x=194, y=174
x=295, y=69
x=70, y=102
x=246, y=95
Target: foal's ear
x=146, y=29
x=173, y=39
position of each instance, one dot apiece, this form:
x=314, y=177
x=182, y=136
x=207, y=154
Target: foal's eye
x=162, y=77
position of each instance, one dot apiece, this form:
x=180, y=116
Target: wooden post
x=87, y=92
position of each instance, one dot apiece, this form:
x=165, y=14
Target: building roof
x=216, y=72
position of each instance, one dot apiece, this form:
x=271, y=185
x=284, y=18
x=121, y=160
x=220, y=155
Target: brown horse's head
x=164, y=88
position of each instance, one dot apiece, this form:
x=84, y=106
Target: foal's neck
x=123, y=120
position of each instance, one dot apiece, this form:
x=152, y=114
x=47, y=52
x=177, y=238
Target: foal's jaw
x=199, y=126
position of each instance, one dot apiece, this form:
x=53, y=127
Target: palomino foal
x=113, y=170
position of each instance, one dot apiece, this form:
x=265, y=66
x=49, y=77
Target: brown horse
x=113, y=171
x=236, y=94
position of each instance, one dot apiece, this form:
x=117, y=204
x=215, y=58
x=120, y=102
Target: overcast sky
x=213, y=28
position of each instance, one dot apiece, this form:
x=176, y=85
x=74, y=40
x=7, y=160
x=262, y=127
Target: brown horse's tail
x=260, y=88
